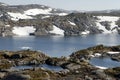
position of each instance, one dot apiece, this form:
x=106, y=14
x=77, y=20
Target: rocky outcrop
x=75, y=67
x=25, y=57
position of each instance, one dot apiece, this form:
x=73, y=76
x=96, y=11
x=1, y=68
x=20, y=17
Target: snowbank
x=17, y=16
x=85, y=32
x=100, y=67
x=72, y=23
x=97, y=54
x=113, y=52
x=62, y=14
x=57, y=31
x=23, y=31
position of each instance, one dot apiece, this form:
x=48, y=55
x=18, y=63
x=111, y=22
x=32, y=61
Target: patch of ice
x=72, y=23
x=37, y=11
x=23, y=31
x=57, y=31
x=17, y=16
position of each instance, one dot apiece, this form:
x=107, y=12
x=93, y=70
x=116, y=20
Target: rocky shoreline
x=75, y=67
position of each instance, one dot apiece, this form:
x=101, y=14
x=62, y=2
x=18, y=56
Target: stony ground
x=75, y=67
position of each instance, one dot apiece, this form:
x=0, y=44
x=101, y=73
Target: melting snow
x=45, y=17
x=23, y=31
x=107, y=18
x=27, y=13
x=97, y=54
x=113, y=52
x=57, y=30
x=38, y=11
x=25, y=47
x=17, y=16
x=85, y=32
x=101, y=67
x=7, y=25
x=62, y=14
x=72, y=23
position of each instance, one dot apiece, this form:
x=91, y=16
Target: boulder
x=15, y=76
x=56, y=61
x=116, y=58
x=2, y=74
x=72, y=66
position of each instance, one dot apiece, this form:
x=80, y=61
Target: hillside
x=34, y=19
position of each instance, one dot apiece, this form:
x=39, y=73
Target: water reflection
x=45, y=66
x=107, y=39
x=104, y=62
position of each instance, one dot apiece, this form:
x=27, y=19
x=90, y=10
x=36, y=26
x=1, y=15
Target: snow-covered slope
x=32, y=11
x=111, y=22
x=17, y=16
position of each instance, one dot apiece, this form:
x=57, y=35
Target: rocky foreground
x=75, y=67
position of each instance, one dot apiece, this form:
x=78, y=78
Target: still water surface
x=58, y=45
x=104, y=62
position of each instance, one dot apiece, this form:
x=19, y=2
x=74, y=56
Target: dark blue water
x=58, y=45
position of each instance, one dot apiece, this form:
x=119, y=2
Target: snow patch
x=1, y=15
x=37, y=11
x=85, y=32
x=57, y=31
x=97, y=54
x=110, y=19
x=23, y=31
x=72, y=23
x=113, y=52
x=62, y=14
x=100, y=67
x=17, y=16
x=45, y=17
x=7, y=26
x=26, y=48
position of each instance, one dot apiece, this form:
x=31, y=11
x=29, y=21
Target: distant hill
x=34, y=19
